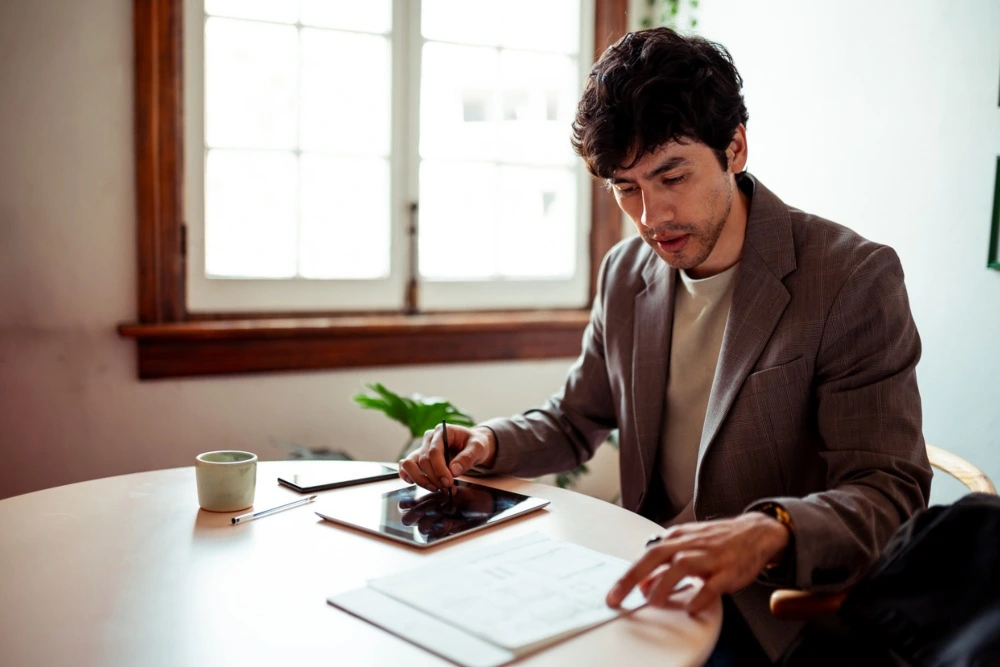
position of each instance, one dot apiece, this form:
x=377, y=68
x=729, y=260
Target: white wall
x=883, y=116
x=901, y=149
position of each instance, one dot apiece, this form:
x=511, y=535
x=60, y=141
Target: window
x=293, y=143
x=304, y=163
x=302, y=259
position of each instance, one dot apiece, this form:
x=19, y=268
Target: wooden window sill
x=257, y=345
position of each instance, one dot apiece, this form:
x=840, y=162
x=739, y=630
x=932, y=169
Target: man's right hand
x=468, y=446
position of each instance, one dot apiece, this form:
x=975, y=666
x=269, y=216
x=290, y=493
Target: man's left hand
x=727, y=554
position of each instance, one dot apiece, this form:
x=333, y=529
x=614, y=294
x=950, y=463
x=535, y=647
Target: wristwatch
x=781, y=515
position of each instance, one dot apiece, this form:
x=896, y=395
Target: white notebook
x=497, y=603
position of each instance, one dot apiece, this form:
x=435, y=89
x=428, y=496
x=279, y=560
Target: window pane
x=480, y=221
x=539, y=102
x=538, y=223
x=250, y=214
x=262, y=10
x=250, y=84
x=543, y=25
x=552, y=25
x=346, y=81
x=367, y=16
x=464, y=21
x=345, y=218
x=458, y=102
x=458, y=220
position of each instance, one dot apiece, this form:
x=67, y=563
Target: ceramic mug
x=226, y=480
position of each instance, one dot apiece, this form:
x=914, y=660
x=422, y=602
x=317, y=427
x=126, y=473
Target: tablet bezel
x=348, y=512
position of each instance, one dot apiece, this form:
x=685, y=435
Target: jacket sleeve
x=567, y=430
x=869, y=420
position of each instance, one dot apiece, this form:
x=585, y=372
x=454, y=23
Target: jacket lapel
x=759, y=299
x=652, y=328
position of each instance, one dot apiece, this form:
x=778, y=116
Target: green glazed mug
x=226, y=480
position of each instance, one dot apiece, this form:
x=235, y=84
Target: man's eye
x=674, y=180
x=625, y=192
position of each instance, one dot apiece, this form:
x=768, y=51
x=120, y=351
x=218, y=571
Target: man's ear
x=737, y=150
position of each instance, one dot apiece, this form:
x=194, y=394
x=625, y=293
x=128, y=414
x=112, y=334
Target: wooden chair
x=795, y=605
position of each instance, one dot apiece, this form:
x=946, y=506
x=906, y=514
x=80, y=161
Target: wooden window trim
x=172, y=342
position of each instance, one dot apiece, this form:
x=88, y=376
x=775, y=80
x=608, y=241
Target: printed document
x=504, y=600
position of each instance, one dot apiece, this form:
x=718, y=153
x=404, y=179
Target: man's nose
x=656, y=210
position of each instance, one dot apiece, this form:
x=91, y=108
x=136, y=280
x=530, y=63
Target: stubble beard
x=703, y=238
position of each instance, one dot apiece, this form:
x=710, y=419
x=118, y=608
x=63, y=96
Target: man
x=757, y=361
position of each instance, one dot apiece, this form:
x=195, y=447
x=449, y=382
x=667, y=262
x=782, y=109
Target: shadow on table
x=219, y=527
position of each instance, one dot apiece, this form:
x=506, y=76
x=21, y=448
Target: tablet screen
x=422, y=518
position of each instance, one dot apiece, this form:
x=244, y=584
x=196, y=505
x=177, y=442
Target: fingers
x=402, y=473
x=726, y=554
x=437, y=457
x=410, y=472
x=430, y=459
x=708, y=594
x=680, y=552
x=426, y=466
x=641, y=569
x=411, y=469
x=471, y=455
x=665, y=580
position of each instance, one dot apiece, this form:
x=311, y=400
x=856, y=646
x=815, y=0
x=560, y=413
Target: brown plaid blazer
x=814, y=403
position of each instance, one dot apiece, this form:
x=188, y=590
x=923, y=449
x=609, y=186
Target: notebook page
x=517, y=594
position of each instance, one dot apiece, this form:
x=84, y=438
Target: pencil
x=256, y=515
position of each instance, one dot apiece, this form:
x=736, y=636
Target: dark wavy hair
x=655, y=86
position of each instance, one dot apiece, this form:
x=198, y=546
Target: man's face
x=679, y=198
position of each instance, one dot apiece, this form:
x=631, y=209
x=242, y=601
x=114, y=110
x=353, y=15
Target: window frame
x=172, y=342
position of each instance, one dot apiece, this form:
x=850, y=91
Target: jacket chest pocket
x=780, y=400
x=771, y=379
x=768, y=421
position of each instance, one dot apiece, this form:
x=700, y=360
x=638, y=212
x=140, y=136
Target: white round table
x=128, y=571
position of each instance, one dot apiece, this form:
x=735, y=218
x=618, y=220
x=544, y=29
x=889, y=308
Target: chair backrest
x=960, y=469
x=795, y=605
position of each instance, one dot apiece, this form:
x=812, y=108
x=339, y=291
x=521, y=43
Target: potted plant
x=416, y=412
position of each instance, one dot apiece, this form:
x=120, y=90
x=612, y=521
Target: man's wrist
x=785, y=532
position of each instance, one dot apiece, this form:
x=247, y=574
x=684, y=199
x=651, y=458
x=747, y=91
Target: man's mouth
x=674, y=243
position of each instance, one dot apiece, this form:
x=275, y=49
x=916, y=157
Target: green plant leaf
x=429, y=412
x=568, y=479
x=424, y=417
x=417, y=413
x=386, y=401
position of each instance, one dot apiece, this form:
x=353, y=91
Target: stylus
x=256, y=515
x=447, y=454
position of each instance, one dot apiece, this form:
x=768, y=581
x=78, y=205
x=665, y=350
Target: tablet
x=335, y=474
x=423, y=518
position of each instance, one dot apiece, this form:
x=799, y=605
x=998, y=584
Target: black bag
x=932, y=598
